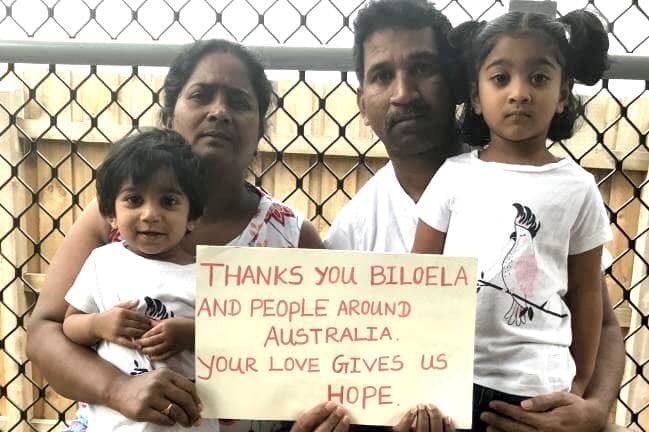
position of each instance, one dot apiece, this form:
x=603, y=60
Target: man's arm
x=609, y=368
x=585, y=301
x=563, y=411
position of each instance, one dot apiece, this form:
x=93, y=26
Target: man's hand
x=146, y=397
x=120, y=324
x=167, y=338
x=325, y=417
x=424, y=418
x=554, y=412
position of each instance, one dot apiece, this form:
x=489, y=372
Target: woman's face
x=217, y=112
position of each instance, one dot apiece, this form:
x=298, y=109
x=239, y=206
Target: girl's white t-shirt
x=521, y=222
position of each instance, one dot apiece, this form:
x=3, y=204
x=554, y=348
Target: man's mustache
x=407, y=112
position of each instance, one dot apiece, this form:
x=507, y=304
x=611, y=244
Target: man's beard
x=428, y=134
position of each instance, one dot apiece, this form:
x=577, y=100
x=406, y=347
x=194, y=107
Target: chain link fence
x=61, y=107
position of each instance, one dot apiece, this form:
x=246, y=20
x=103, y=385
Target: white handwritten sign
x=280, y=330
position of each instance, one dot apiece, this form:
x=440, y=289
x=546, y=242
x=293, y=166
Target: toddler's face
x=153, y=218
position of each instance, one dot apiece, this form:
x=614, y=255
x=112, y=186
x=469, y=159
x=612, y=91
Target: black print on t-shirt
x=137, y=370
x=156, y=309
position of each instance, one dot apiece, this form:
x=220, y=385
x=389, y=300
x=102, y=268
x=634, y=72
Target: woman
x=216, y=96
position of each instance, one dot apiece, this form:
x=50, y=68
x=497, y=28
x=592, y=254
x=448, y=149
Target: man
x=405, y=70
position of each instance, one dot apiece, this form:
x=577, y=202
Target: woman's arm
x=90, y=378
x=309, y=237
x=428, y=239
x=585, y=303
x=77, y=372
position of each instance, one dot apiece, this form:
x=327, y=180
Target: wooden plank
x=329, y=186
x=597, y=158
x=637, y=346
x=623, y=315
x=17, y=249
x=36, y=281
x=627, y=222
x=321, y=131
x=286, y=183
x=38, y=424
x=300, y=102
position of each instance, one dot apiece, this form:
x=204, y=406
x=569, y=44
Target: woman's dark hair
x=581, y=45
x=184, y=64
x=139, y=157
x=402, y=14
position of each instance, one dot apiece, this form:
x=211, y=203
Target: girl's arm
x=585, y=302
x=79, y=327
x=168, y=337
x=120, y=325
x=428, y=239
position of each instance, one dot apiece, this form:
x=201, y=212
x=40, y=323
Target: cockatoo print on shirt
x=516, y=275
x=519, y=267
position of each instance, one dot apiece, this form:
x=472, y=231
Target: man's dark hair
x=138, y=157
x=401, y=14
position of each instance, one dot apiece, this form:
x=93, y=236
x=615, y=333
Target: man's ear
x=564, y=94
x=475, y=98
x=360, y=101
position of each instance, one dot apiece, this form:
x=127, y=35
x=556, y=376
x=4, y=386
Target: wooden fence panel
x=297, y=178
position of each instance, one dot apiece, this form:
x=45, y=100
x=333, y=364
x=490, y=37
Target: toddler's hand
x=167, y=338
x=121, y=325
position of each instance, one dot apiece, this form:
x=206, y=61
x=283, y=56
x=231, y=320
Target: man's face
x=404, y=97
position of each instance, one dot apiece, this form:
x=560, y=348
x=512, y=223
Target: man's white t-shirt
x=382, y=217
x=521, y=222
x=112, y=274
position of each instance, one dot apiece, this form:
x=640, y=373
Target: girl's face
x=520, y=89
x=153, y=218
x=217, y=111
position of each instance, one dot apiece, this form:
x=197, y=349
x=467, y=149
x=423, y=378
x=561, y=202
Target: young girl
x=134, y=299
x=537, y=223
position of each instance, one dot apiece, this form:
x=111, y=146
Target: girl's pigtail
x=588, y=41
x=461, y=41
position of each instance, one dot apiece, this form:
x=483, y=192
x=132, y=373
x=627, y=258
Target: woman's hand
x=162, y=396
x=325, y=417
x=167, y=338
x=121, y=324
x=424, y=418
